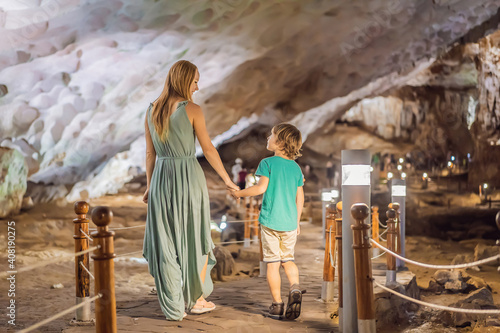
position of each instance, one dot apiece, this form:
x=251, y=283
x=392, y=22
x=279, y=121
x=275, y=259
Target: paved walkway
x=241, y=305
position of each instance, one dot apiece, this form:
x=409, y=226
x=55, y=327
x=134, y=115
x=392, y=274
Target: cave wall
x=486, y=128
x=76, y=77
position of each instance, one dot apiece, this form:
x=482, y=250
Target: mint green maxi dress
x=177, y=239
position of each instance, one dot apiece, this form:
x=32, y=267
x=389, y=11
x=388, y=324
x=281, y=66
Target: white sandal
x=202, y=309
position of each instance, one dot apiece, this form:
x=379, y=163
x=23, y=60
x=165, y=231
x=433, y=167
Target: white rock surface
x=76, y=76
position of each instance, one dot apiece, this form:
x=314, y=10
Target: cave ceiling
x=76, y=76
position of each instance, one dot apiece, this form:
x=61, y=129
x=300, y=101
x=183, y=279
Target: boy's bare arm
x=255, y=190
x=299, y=200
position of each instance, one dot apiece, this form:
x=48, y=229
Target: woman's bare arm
x=211, y=154
x=299, y=200
x=150, y=155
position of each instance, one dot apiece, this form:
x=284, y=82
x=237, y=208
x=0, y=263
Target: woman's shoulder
x=192, y=108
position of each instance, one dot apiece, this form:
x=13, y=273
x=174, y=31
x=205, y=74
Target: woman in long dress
x=177, y=241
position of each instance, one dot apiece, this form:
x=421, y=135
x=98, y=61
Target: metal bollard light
x=327, y=288
x=104, y=271
x=355, y=188
x=82, y=278
x=391, y=244
x=365, y=298
x=399, y=196
x=338, y=238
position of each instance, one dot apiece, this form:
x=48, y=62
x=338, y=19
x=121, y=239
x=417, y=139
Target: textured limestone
x=13, y=174
x=77, y=76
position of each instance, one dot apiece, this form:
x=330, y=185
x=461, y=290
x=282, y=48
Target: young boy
x=281, y=182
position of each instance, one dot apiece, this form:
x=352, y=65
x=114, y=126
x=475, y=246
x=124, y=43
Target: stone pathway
x=241, y=305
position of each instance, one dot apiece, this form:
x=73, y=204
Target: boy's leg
x=295, y=296
x=271, y=253
x=292, y=272
x=288, y=241
x=274, y=281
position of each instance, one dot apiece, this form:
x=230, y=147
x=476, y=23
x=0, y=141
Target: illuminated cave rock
x=76, y=77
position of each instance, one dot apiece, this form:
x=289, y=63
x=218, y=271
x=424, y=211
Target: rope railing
x=143, y=225
x=373, y=258
x=60, y=314
x=86, y=235
x=236, y=221
x=380, y=236
x=125, y=254
x=48, y=262
x=122, y=228
x=85, y=268
x=472, y=264
x=219, y=243
x=436, y=306
x=235, y=242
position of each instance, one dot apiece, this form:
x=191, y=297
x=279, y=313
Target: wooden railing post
x=338, y=238
x=310, y=209
x=363, y=269
x=391, y=244
x=375, y=228
x=263, y=265
x=396, y=207
x=104, y=271
x=82, y=278
x=255, y=223
x=248, y=216
x=497, y=220
x=327, y=288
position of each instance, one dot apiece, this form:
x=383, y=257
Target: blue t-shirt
x=279, y=209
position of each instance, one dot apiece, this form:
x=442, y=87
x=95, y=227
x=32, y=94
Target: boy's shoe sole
x=294, y=304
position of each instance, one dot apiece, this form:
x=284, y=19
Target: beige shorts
x=277, y=245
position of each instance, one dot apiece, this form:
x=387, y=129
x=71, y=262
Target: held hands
x=231, y=189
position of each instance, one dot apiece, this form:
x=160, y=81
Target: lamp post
x=222, y=227
x=425, y=178
x=355, y=189
x=398, y=192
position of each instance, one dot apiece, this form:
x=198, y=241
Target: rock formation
x=76, y=78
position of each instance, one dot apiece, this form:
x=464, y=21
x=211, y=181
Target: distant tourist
x=330, y=171
x=242, y=175
x=235, y=170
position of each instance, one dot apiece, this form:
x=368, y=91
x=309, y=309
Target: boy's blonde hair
x=289, y=139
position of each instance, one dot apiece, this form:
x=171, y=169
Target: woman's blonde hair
x=289, y=139
x=178, y=82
